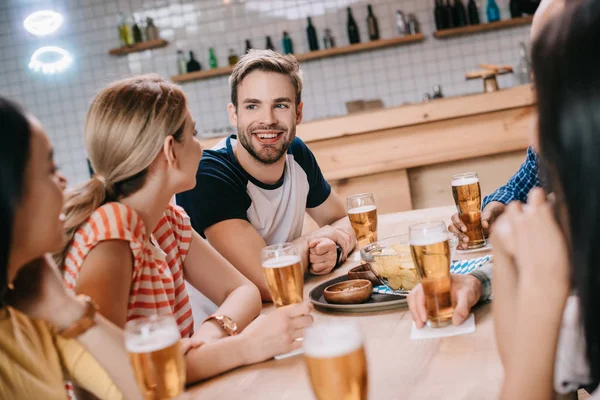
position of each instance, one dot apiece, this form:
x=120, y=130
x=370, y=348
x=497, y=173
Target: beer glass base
x=439, y=323
x=476, y=246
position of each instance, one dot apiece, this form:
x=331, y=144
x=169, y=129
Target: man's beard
x=270, y=154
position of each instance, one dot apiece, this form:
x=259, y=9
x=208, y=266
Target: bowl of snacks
x=363, y=271
x=391, y=261
x=354, y=291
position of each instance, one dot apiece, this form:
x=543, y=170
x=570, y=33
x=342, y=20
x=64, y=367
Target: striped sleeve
x=180, y=226
x=112, y=221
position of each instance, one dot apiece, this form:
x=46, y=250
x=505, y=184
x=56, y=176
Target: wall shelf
x=150, y=44
x=492, y=26
x=313, y=55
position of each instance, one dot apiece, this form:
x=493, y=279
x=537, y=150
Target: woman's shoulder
x=113, y=220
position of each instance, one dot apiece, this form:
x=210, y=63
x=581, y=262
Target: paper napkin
x=433, y=333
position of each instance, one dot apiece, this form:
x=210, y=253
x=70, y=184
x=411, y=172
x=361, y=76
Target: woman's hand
x=277, y=332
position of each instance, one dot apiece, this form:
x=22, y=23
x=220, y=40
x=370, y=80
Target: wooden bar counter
x=407, y=155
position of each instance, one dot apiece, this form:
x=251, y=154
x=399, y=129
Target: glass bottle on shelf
x=151, y=30
x=125, y=35
x=248, y=45
x=181, y=62
x=232, y=58
x=269, y=44
x=438, y=14
x=212, y=59
x=286, y=44
x=401, y=23
x=328, y=40
x=137, y=32
x=473, y=13
x=523, y=73
x=353, y=32
x=372, y=24
x=460, y=13
x=193, y=64
x=311, y=34
x=449, y=15
x=515, y=9
x=493, y=11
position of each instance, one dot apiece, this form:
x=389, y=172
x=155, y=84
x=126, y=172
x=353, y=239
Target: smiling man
x=254, y=188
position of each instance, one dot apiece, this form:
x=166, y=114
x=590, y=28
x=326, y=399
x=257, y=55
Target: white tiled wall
x=396, y=75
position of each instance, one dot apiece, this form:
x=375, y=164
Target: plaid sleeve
x=484, y=274
x=518, y=187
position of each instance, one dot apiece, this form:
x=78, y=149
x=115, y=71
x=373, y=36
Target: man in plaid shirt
x=469, y=291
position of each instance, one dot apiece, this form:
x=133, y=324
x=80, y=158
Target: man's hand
x=322, y=255
x=336, y=235
x=488, y=216
x=466, y=292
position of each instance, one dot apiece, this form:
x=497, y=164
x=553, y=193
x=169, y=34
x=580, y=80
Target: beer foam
x=147, y=342
x=425, y=241
x=362, y=209
x=464, y=181
x=282, y=261
x=331, y=340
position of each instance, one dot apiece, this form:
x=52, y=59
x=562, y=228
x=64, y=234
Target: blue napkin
x=457, y=267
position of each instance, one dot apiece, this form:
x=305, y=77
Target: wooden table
x=461, y=367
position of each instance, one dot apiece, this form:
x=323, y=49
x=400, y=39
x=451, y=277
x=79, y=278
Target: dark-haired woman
x=46, y=335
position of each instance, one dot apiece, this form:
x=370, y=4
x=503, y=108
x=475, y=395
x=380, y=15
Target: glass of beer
x=467, y=196
x=431, y=254
x=362, y=213
x=155, y=353
x=336, y=361
x=283, y=271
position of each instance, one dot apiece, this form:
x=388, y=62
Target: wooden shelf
x=492, y=26
x=150, y=44
x=313, y=55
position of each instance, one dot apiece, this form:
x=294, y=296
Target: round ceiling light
x=44, y=22
x=50, y=59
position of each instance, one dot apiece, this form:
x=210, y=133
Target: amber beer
x=336, y=362
x=467, y=196
x=285, y=279
x=364, y=223
x=431, y=254
x=155, y=353
x=362, y=213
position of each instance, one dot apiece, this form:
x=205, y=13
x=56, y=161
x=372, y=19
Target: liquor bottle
x=311, y=34
x=523, y=72
x=437, y=92
x=232, y=58
x=125, y=35
x=212, y=59
x=372, y=25
x=412, y=24
x=353, y=32
x=151, y=30
x=137, y=32
x=449, y=15
x=269, y=44
x=286, y=44
x=473, y=13
x=515, y=9
x=328, y=40
x=493, y=12
x=438, y=13
x=248, y=45
x=192, y=64
x=460, y=14
x=401, y=23
x=181, y=62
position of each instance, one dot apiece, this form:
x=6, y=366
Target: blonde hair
x=268, y=61
x=125, y=129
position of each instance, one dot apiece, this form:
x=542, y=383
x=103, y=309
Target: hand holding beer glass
x=362, y=213
x=155, y=353
x=336, y=361
x=467, y=196
x=431, y=254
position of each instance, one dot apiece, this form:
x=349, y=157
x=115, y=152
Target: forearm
x=531, y=356
x=504, y=304
x=106, y=343
x=213, y=359
x=242, y=305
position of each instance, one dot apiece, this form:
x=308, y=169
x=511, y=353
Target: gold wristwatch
x=85, y=322
x=226, y=323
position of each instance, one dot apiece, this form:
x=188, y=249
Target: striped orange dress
x=157, y=283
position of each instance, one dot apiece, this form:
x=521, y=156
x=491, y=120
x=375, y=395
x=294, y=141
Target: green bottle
x=212, y=60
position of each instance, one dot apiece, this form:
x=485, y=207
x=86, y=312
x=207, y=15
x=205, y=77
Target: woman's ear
x=169, y=150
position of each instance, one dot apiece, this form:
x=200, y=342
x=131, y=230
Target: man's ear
x=299, y=108
x=232, y=111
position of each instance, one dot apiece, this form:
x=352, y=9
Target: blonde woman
x=130, y=248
